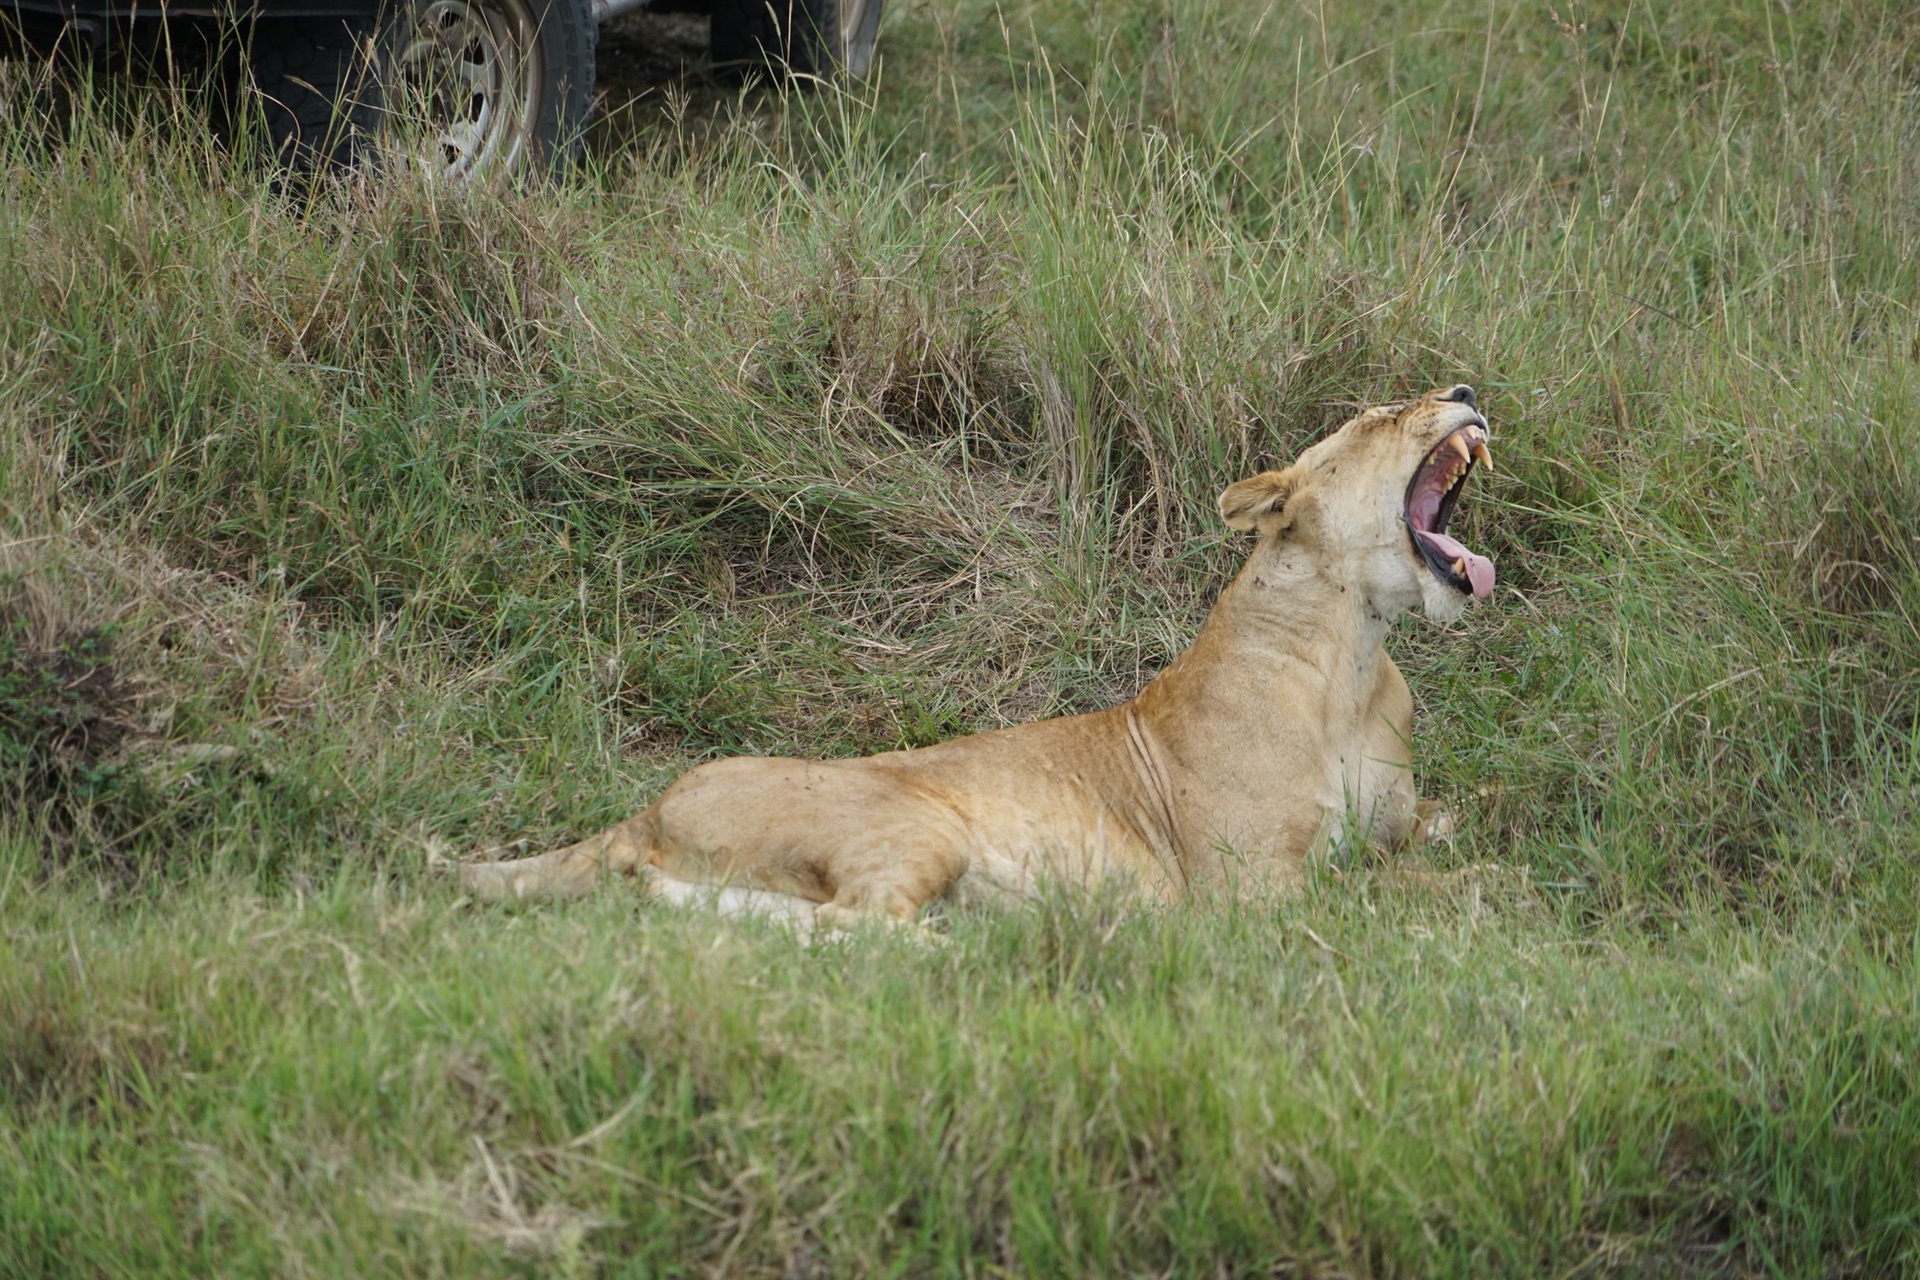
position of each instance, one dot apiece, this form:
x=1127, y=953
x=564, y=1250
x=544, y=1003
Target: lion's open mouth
x=1430, y=498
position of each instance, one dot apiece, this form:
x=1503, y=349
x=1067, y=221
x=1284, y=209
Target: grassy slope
x=851, y=425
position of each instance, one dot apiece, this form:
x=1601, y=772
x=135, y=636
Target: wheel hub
x=467, y=85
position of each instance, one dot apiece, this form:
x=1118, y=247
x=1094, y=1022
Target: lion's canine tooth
x=1481, y=452
x=1460, y=447
x=1460, y=567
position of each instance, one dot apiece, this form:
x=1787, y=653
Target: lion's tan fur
x=1282, y=726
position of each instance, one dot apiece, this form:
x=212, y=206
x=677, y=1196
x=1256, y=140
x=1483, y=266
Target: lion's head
x=1371, y=503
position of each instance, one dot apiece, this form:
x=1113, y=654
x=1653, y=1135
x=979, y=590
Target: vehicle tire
x=308, y=83
x=466, y=90
x=799, y=37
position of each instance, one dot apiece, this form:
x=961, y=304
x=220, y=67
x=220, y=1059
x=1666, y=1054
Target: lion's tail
x=571, y=872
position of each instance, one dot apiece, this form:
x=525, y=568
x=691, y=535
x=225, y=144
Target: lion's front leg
x=1403, y=821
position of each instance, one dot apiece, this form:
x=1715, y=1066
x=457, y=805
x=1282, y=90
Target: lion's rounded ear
x=1245, y=503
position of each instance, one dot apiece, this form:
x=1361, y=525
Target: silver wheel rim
x=853, y=16
x=468, y=87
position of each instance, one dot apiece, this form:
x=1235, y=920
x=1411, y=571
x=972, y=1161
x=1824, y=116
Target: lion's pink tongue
x=1479, y=568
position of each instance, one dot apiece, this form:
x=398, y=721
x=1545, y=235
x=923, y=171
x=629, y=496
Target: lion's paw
x=1433, y=824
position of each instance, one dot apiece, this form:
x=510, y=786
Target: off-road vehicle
x=464, y=87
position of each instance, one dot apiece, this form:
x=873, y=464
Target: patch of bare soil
x=653, y=75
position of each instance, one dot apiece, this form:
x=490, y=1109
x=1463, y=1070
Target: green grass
x=340, y=528
x=375, y=1080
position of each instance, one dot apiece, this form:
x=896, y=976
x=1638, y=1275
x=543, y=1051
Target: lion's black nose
x=1462, y=394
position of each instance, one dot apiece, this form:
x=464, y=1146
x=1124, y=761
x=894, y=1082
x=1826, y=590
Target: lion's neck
x=1290, y=610
x=1281, y=673
x=1278, y=625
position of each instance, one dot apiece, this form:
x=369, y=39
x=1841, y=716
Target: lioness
x=1284, y=722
